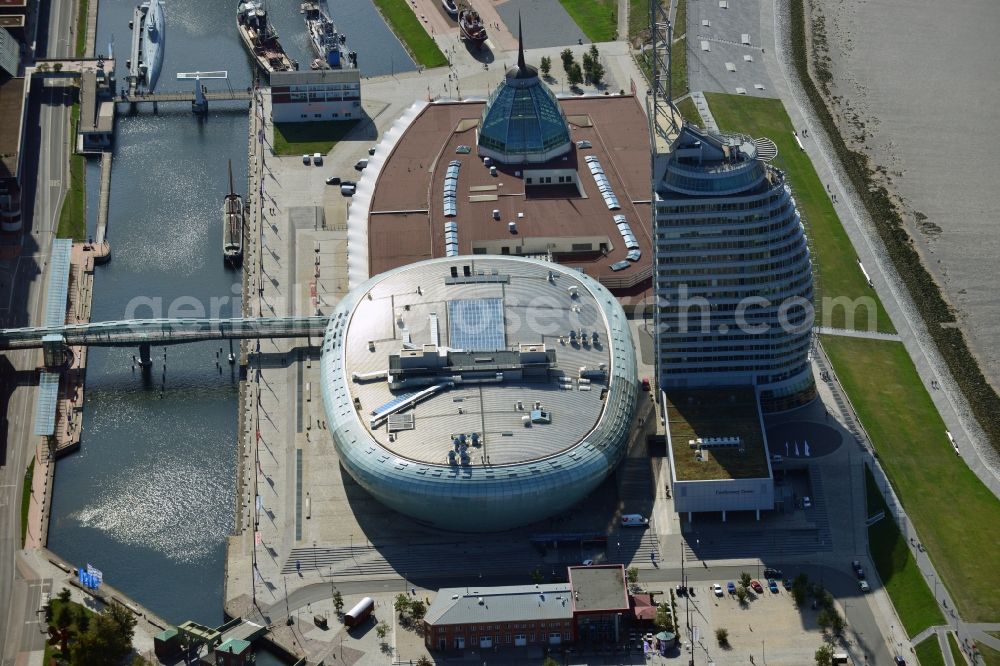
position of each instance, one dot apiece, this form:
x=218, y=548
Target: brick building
x=590, y=608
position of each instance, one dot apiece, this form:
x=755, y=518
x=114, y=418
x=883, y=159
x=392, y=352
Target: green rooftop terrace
x=704, y=413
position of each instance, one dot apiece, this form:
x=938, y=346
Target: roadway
x=862, y=628
x=47, y=147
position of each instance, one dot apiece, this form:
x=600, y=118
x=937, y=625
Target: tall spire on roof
x=520, y=45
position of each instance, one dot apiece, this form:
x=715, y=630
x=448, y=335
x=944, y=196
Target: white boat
x=329, y=44
x=154, y=31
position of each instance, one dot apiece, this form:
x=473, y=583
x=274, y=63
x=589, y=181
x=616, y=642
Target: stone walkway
x=706, y=113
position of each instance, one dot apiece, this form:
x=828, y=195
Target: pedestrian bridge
x=146, y=332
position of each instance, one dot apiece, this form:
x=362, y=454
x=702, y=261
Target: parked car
x=634, y=520
x=855, y=565
x=898, y=661
x=681, y=591
x=772, y=585
x=863, y=584
x=333, y=180
x=787, y=583
x=772, y=573
x=371, y=151
x=717, y=589
x=757, y=587
x=860, y=573
x=360, y=164
x=307, y=159
x=318, y=159
x=731, y=587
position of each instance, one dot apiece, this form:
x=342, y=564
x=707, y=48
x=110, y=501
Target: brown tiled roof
x=406, y=223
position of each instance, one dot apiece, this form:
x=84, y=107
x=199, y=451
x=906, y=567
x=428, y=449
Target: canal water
x=149, y=498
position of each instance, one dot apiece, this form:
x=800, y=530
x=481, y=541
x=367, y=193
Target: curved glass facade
x=480, y=497
x=523, y=122
x=733, y=273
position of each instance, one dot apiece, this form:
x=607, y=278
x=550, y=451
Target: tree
x=823, y=619
x=663, y=620
x=424, y=661
x=836, y=623
x=741, y=594
x=338, y=603
x=417, y=609
x=549, y=661
x=588, y=63
x=537, y=576
x=546, y=65
x=597, y=73
x=109, y=640
x=82, y=620
x=824, y=655
x=402, y=604
x=575, y=75
x=567, y=59
x=63, y=595
x=382, y=630
x=594, y=53
x=744, y=579
x=722, y=635
x=632, y=573
x=64, y=619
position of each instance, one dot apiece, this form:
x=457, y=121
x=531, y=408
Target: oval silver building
x=479, y=393
x=733, y=272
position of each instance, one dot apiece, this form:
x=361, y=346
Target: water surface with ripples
x=149, y=497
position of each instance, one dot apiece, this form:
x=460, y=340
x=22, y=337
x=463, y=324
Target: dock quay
x=100, y=236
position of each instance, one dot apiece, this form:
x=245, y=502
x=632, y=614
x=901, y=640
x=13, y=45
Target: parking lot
x=768, y=628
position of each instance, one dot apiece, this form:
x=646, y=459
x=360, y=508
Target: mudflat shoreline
x=913, y=86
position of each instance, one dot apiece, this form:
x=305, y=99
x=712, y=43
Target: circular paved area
x=802, y=439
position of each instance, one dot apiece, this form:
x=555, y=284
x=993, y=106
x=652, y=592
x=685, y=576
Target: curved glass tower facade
x=479, y=393
x=733, y=272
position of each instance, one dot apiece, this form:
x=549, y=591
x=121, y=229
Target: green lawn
x=26, y=498
x=302, y=138
x=898, y=569
x=836, y=264
x=929, y=652
x=680, y=18
x=956, y=652
x=638, y=22
x=81, y=27
x=690, y=111
x=990, y=657
x=598, y=19
x=955, y=515
x=406, y=25
x=679, y=68
x=73, y=216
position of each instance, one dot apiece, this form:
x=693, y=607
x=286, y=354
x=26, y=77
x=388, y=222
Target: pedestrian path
x=706, y=114
x=848, y=333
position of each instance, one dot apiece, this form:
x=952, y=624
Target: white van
x=634, y=520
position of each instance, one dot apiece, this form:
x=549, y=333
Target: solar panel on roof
x=476, y=324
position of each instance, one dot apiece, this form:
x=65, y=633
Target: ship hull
x=268, y=56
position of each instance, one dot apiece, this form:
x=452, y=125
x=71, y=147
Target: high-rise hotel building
x=733, y=274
